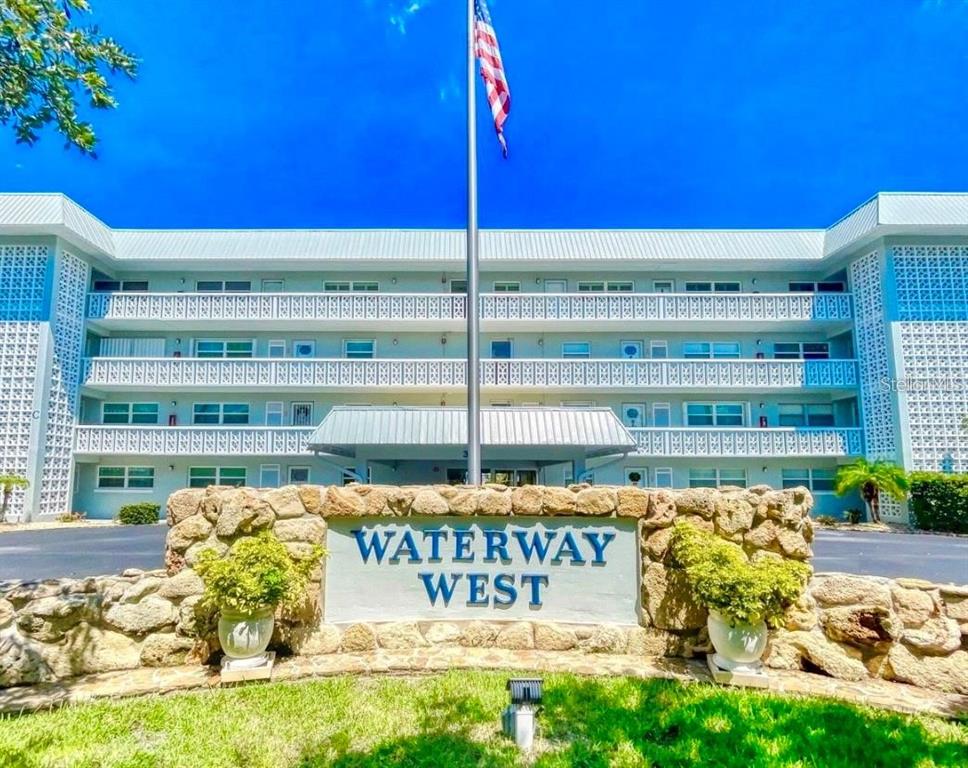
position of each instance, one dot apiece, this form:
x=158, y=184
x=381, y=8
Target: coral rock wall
x=845, y=626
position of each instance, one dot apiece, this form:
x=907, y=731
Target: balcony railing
x=546, y=374
x=392, y=307
x=667, y=306
x=673, y=442
x=688, y=442
x=191, y=441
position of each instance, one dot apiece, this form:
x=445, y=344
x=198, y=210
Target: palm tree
x=872, y=478
x=7, y=484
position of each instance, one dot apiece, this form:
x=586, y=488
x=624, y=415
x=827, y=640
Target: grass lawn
x=452, y=720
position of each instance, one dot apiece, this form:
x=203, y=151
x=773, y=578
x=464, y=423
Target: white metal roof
x=357, y=430
x=886, y=213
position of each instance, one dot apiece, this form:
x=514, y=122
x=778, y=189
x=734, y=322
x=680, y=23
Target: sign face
x=547, y=569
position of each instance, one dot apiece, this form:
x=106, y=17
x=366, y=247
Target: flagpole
x=473, y=242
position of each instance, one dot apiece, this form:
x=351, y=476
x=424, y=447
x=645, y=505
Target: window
x=700, y=350
x=298, y=475
x=631, y=350
x=364, y=286
x=703, y=478
x=202, y=477
x=458, y=286
x=601, y=286
x=506, y=287
x=637, y=476
x=576, y=349
x=134, y=478
x=807, y=350
x=818, y=480
x=350, y=472
x=302, y=414
x=270, y=476
x=223, y=348
x=359, y=349
x=719, y=286
x=220, y=413
x=274, y=411
x=715, y=414
x=577, y=403
x=663, y=477
x=501, y=349
x=713, y=478
x=223, y=285
x=806, y=415
x=133, y=286
x=303, y=349
x=277, y=348
x=273, y=286
x=501, y=404
x=664, y=286
x=661, y=415
x=633, y=414
x=129, y=413
x=658, y=350
x=825, y=286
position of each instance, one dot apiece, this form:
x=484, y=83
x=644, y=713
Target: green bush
x=722, y=578
x=939, y=502
x=854, y=515
x=257, y=572
x=143, y=513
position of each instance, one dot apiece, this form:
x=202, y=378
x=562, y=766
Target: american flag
x=492, y=69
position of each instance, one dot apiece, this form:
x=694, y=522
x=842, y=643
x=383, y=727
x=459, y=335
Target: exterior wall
x=930, y=334
x=42, y=328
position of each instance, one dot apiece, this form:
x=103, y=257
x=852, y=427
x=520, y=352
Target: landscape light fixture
x=518, y=717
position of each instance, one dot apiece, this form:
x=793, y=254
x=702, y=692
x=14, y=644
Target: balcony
x=389, y=375
x=190, y=441
x=760, y=443
x=429, y=311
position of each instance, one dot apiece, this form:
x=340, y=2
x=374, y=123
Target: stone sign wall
x=848, y=627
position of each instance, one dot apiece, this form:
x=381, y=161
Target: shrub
x=257, y=572
x=144, y=513
x=722, y=578
x=71, y=517
x=939, y=502
x=854, y=515
x=827, y=520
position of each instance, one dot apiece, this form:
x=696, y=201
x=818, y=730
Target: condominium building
x=136, y=362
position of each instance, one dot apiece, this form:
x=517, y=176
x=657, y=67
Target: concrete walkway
x=139, y=682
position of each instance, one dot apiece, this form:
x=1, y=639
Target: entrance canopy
x=538, y=435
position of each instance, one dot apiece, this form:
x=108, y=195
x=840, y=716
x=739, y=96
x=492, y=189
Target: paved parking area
x=95, y=551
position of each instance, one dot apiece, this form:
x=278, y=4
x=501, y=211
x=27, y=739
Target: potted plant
x=256, y=576
x=742, y=596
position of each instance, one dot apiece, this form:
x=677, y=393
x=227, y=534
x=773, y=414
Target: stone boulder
x=666, y=598
x=913, y=606
x=935, y=636
x=549, y=636
x=787, y=650
x=517, y=636
x=861, y=626
x=400, y=636
x=243, y=511
x=150, y=615
x=842, y=589
x=942, y=673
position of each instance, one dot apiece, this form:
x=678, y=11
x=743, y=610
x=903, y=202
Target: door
x=556, y=286
x=302, y=415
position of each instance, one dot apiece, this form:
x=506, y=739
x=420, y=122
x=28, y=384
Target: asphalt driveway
x=94, y=551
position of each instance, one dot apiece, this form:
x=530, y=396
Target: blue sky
x=626, y=113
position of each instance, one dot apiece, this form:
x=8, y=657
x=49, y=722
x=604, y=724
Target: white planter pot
x=245, y=637
x=739, y=647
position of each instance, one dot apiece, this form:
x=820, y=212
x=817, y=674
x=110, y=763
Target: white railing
x=758, y=307
x=403, y=373
x=733, y=307
x=276, y=306
x=191, y=441
x=689, y=442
